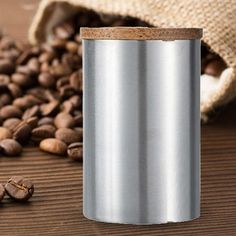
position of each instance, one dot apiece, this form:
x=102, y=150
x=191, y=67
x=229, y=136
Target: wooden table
x=56, y=208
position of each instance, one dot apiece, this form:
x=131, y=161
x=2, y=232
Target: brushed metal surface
x=141, y=131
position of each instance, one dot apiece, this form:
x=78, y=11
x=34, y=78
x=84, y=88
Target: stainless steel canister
x=141, y=124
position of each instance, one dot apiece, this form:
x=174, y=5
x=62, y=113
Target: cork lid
x=140, y=33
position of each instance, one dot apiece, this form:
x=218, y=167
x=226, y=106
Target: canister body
x=141, y=130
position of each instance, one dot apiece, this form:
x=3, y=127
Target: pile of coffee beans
x=41, y=87
x=17, y=188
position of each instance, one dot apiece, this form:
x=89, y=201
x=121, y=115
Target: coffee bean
x=80, y=50
x=26, y=102
x=46, y=121
x=15, y=90
x=45, y=67
x=38, y=93
x=72, y=46
x=64, y=30
x=32, y=122
x=60, y=70
x=23, y=71
x=66, y=91
x=64, y=120
x=57, y=43
x=47, y=56
x=62, y=82
x=72, y=60
x=5, y=99
x=6, y=67
x=76, y=101
x=22, y=132
x=42, y=132
x=4, y=80
x=75, y=151
x=30, y=112
x=22, y=80
x=11, y=123
x=67, y=106
x=215, y=67
x=79, y=119
x=10, y=147
x=50, y=108
x=19, y=188
x=10, y=111
x=46, y=80
x=68, y=136
x=53, y=146
x=34, y=65
x=76, y=80
x=2, y=192
x=5, y=133
x=26, y=55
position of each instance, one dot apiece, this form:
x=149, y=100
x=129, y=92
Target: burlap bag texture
x=216, y=17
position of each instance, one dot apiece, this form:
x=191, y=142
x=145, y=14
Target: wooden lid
x=140, y=33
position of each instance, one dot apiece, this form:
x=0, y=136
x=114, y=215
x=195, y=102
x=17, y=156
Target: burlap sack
x=217, y=17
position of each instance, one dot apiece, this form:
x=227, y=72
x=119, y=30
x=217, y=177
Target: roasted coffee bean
x=26, y=55
x=66, y=91
x=6, y=66
x=27, y=101
x=19, y=188
x=60, y=70
x=30, y=112
x=22, y=132
x=22, y=80
x=34, y=65
x=68, y=136
x=76, y=101
x=25, y=70
x=46, y=80
x=15, y=90
x=45, y=67
x=65, y=30
x=4, y=80
x=64, y=120
x=62, y=82
x=7, y=43
x=47, y=56
x=57, y=43
x=5, y=133
x=72, y=60
x=75, y=151
x=11, y=123
x=38, y=93
x=79, y=119
x=215, y=67
x=10, y=147
x=67, y=106
x=5, y=99
x=76, y=80
x=2, y=192
x=80, y=50
x=43, y=132
x=46, y=121
x=11, y=54
x=72, y=47
x=50, y=108
x=10, y=111
x=53, y=146
x=32, y=122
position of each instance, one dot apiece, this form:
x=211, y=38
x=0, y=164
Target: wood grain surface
x=56, y=207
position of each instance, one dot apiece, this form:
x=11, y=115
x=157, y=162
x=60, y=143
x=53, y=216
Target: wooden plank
x=56, y=207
